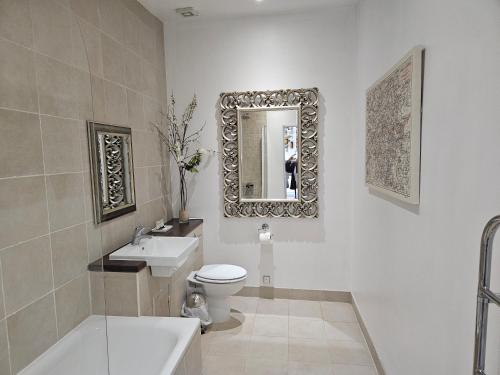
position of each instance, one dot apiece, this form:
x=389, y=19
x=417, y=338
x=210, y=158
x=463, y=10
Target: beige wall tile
x=23, y=209
x=94, y=242
x=4, y=349
x=52, y=30
x=121, y=294
x=131, y=36
x=61, y=144
x=65, y=200
x=88, y=199
x=31, y=332
x=26, y=273
x=97, y=292
x=113, y=60
x=17, y=77
x=135, y=110
x=72, y=303
x=15, y=21
x=140, y=148
x=69, y=253
x=145, y=293
x=97, y=97
x=87, y=46
x=115, y=103
x=117, y=232
x=87, y=9
x=2, y=310
x=63, y=90
x=141, y=186
x=192, y=358
x=148, y=43
x=132, y=67
x=111, y=17
x=20, y=144
x=155, y=182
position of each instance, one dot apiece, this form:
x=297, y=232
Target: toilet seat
x=221, y=274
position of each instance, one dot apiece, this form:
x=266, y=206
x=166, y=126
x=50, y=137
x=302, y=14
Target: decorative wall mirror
x=112, y=170
x=270, y=153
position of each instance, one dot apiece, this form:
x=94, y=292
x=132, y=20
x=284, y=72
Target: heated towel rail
x=484, y=295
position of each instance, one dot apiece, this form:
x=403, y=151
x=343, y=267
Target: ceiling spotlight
x=187, y=12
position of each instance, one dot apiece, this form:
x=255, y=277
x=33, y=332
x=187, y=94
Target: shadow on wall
x=244, y=230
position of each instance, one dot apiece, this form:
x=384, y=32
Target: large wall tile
x=63, y=90
x=155, y=183
x=133, y=68
x=4, y=349
x=141, y=185
x=17, y=77
x=115, y=103
x=20, y=144
x=65, y=200
x=15, y=21
x=87, y=46
x=31, y=332
x=23, y=209
x=135, y=110
x=61, y=144
x=26, y=273
x=111, y=17
x=94, y=242
x=113, y=60
x=72, y=303
x=131, y=36
x=87, y=9
x=52, y=30
x=69, y=253
x=140, y=147
x=148, y=43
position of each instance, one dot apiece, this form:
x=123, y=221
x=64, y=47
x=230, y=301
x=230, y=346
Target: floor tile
x=343, y=331
x=353, y=370
x=244, y=304
x=306, y=328
x=271, y=325
x=223, y=365
x=265, y=367
x=308, y=309
x=240, y=324
x=308, y=350
x=349, y=353
x=272, y=306
x=229, y=345
x=304, y=368
x=265, y=347
x=338, y=312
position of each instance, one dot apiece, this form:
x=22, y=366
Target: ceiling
x=217, y=9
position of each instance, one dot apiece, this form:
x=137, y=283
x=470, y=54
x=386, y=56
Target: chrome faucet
x=139, y=235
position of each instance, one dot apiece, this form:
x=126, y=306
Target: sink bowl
x=163, y=254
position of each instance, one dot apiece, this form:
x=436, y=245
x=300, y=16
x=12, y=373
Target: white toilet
x=219, y=282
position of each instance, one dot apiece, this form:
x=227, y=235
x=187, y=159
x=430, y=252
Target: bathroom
x=339, y=276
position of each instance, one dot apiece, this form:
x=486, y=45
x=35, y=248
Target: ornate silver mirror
x=270, y=153
x=112, y=170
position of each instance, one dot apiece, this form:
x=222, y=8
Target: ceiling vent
x=187, y=12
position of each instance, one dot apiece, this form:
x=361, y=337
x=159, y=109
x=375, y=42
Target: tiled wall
x=47, y=237
x=252, y=150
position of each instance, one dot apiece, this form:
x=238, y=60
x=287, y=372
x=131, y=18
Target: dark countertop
x=134, y=266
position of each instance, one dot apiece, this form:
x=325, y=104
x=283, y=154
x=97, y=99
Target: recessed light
x=187, y=12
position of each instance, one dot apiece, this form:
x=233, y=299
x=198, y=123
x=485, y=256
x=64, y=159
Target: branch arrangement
x=182, y=145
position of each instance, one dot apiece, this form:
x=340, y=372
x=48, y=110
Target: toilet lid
x=220, y=272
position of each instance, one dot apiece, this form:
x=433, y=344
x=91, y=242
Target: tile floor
x=281, y=336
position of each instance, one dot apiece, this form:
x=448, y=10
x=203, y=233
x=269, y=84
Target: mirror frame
x=307, y=100
x=93, y=129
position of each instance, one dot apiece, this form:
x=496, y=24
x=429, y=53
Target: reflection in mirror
x=269, y=153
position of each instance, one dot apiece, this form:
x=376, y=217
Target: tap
x=139, y=235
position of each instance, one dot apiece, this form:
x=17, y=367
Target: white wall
x=415, y=270
x=288, y=51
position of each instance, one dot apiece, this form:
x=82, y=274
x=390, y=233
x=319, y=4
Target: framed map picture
x=393, y=123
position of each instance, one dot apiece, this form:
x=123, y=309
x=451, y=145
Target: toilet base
x=219, y=309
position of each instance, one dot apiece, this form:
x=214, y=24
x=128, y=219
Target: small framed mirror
x=112, y=170
x=270, y=153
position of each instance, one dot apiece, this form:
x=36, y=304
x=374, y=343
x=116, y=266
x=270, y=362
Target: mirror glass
x=269, y=153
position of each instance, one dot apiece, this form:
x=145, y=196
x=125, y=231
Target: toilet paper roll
x=265, y=237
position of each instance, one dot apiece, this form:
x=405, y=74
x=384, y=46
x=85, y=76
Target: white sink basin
x=163, y=254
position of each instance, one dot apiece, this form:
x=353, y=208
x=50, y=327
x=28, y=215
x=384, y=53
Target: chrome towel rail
x=484, y=295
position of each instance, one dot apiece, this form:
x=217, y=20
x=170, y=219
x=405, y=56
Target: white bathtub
x=144, y=345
